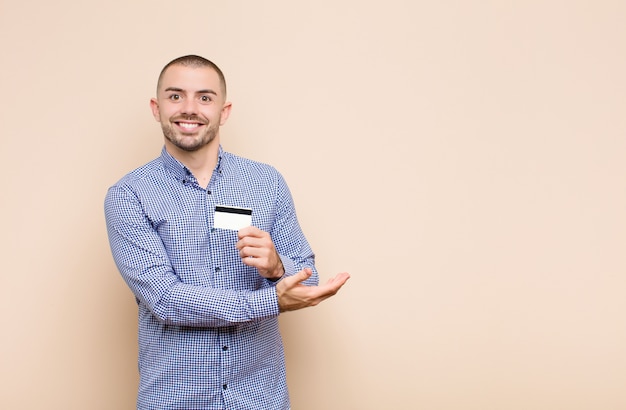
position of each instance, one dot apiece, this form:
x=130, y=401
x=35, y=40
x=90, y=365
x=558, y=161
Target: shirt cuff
x=264, y=303
x=288, y=265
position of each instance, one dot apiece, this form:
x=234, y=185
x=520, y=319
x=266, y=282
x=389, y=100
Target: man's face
x=190, y=106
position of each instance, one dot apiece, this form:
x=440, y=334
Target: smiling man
x=210, y=245
x=190, y=117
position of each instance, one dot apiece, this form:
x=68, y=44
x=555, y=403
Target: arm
x=283, y=250
x=291, y=244
x=256, y=248
x=143, y=262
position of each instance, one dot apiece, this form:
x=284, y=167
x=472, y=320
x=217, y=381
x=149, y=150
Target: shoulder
x=235, y=163
x=138, y=176
x=142, y=181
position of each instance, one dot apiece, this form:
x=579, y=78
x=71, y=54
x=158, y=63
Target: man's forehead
x=190, y=78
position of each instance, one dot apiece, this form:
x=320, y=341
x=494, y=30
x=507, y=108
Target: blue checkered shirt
x=208, y=324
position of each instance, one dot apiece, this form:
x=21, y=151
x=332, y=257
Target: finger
x=246, y=251
x=300, y=276
x=262, y=253
x=335, y=283
x=252, y=231
x=340, y=277
x=252, y=262
x=248, y=241
x=263, y=241
x=262, y=264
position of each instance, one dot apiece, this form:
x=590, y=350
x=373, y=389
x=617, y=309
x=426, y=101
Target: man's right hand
x=293, y=295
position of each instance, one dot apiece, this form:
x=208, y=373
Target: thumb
x=301, y=276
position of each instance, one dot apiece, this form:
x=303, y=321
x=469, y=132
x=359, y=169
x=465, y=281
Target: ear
x=154, y=106
x=225, y=112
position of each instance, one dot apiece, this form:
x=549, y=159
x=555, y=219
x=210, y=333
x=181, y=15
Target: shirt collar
x=180, y=171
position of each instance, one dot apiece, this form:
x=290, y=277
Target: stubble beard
x=183, y=141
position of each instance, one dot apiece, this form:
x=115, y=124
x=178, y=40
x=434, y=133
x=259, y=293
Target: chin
x=194, y=146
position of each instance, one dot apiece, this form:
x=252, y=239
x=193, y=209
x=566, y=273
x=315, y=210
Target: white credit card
x=232, y=217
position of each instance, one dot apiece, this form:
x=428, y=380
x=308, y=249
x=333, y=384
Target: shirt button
x=217, y=269
x=224, y=386
x=224, y=348
x=208, y=192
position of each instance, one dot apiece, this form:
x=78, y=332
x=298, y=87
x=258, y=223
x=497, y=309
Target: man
x=209, y=296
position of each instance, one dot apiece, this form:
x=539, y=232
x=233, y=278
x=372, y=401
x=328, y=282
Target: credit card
x=232, y=217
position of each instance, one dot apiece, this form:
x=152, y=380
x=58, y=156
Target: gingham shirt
x=208, y=324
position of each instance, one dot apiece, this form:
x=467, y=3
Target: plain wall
x=463, y=160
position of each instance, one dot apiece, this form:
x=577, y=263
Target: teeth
x=188, y=125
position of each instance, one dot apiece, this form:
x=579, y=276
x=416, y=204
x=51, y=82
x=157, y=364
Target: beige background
x=462, y=159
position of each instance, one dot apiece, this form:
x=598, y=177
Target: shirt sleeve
x=142, y=260
x=289, y=240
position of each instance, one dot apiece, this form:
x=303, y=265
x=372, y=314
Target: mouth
x=188, y=126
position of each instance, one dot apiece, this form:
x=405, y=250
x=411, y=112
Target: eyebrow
x=180, y=90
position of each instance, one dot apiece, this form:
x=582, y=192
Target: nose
x=189, y=106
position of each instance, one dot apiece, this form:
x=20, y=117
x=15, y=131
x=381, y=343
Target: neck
x=201, y=162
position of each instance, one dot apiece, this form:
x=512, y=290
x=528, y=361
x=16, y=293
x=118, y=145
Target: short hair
x=194, y=61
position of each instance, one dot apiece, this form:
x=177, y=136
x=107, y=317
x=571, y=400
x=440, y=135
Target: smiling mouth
x=188, y=126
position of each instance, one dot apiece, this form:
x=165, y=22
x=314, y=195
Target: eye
x=205, y=99
x=174, y=97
